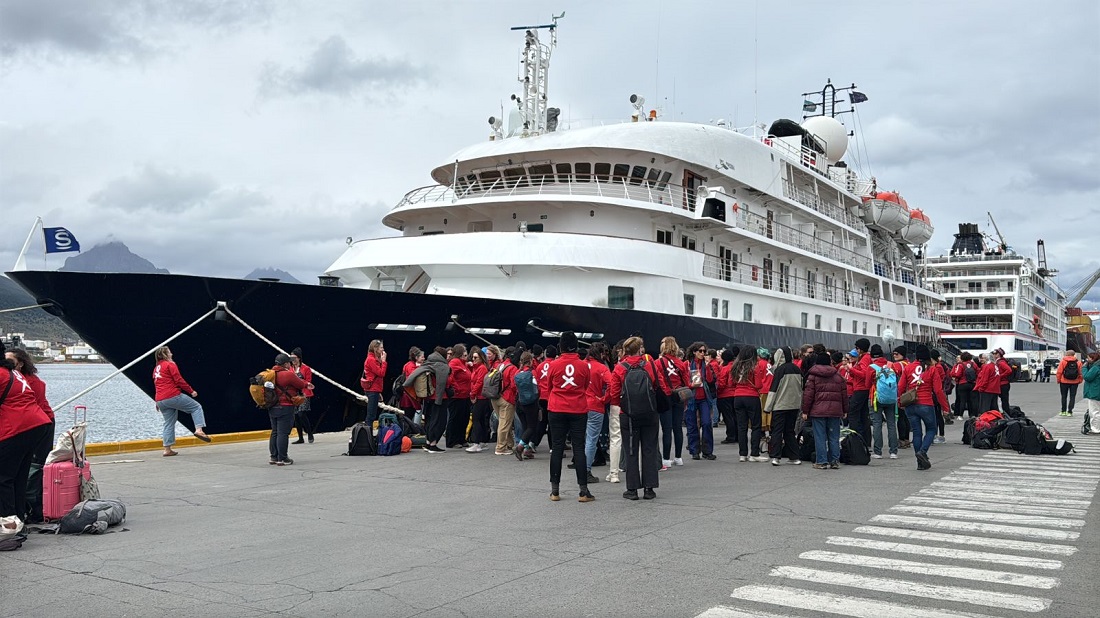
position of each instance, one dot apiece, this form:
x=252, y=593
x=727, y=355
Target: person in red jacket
x=597, y=397
x=288, y=386
x=704, y=382
x=301, y=416
x=482, y=409
x=374, y=378
x=24, y=364
x=639, y=430
x=175, y=395
x=725, y=395
x=23, y=426
x=863, y=377
x=988, y=386
x=1068, y=381
x=568, y=406
x=927, y=378
x=672, y=422
x=458, y=398
x=746, y=381
x=505, y=405
x=542, y=372
x=408, y=401
x=825, y=401
x=965, y=374
x=1004, y=376
x=764, y=368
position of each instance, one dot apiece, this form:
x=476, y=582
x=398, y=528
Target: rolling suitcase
x=62, y=481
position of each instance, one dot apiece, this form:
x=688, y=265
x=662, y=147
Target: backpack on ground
x=970, y=372
x=389, y=435
x=1086, y=427
x=262, y=389
x=638, y=399
x=1057, y=447
x=806, y=449
x=968, y=429
x=1033, y=441
x=493, y=385
x=1072, y=370
x=362, y=441
x=526, y=389
x=1015, y=412
x=886, y=385
x=853, y=450
x=986, y=420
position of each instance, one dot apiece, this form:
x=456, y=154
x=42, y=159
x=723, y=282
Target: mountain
x=112, y=257
x=34, y=323
x=271, y=273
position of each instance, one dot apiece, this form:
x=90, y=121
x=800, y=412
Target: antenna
x=1042, y=255
x=534, y=75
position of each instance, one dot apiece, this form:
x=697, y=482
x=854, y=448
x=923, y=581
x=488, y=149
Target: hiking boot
x=710, y=456
x=648, y=494
x=818, y=466
x=695, y=456
x=585, y=496
x=286, y=462
x=631, y=495
x=592, y=479
x=834, y=465
x=518, y=452
x=554, y=497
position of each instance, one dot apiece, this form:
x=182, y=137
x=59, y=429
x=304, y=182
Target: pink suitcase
x=61, y=487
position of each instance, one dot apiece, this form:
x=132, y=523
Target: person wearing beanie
x=927, y=380
x=825, y=403
x=288, y=386
x=568, y=411
x=965, y=373
x=859, y=410
x=876, y=351
x=301, y=416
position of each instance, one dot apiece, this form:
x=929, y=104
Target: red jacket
x=20, y=411
x=708, y=377
x=765, y=369
x=477, y=380
x=597, y=394
x=508, y=373
x=39, y=393
x=824, y=394
x=619, y=374
x=988, y=380
x=287, y=385
x=569, y=377
x=542, y=378
x=374, y=375
x=676, y=370
x=168, y=381
x=929, y=384
x=307, y=376
x=459, y=379
x=863, y=377
x=1004, y=371
x=725, y=381
x=958, y=372
x=750, y=385
x=845, y=372
x=407, y=400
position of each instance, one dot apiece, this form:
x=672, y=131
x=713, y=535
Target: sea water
x=117, y=409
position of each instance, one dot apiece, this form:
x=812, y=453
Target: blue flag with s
x=60, y=240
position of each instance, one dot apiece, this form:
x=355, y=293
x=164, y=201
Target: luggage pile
x=1012, y=430
x=396, y=434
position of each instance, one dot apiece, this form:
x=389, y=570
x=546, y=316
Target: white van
x=1020, y=360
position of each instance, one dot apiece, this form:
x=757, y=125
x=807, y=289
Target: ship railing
x=754, y=276
x=797, y=238
x=949, y=259
x=817, y=204
x=981, y=325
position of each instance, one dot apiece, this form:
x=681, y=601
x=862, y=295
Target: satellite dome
x=832, y=134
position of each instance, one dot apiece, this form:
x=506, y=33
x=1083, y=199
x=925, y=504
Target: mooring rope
x=25, y=308
x=134, y=362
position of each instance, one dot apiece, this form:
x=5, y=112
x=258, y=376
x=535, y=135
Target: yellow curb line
x=134, y=446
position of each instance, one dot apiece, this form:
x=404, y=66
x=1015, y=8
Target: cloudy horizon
x=216, y=137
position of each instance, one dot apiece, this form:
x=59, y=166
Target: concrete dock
x=216, y=531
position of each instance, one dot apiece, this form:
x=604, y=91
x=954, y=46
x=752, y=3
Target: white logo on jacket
x=570, y=370
x=18, y=376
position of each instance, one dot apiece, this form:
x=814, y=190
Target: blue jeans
x=592, y=435
x=372, y=407
x=827, y=439
x=672, y=426
x=885, y=412
x=282, y=419
x=714, y=415
x=919, y=414
x=170, y=409
x=698, y=418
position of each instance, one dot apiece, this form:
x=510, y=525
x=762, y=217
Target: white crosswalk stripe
x=1006, y=518
x=1001, y=508
x=1003, y=497
x=980, y=527
x=973, y=483
x=928, y=568
x=830, y=603
x=946, y=552
x=1026, y=472
x=965, y=539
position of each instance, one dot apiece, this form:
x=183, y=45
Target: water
x=117, y=410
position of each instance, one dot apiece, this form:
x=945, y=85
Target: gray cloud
x=152, y=188
x=334, y=69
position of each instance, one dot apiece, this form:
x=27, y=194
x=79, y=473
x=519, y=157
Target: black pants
x=16, y=454
x=530, y=413
x=482, y=410
x=301, y=421
x=640, y=441
x=34, y=477
x=1004, y=396
x=564, y=424
x=782, y=442
x=436, y=413
x=987, y=402
x=962, y=399
x=544, y=424
x=747, y=413
x=1071, y=391
x=859, y=414
x=940, y=422
x=458, y=418
x=725, y=409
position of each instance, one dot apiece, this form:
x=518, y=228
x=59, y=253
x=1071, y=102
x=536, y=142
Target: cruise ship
x=642, y=225
x=997, y=298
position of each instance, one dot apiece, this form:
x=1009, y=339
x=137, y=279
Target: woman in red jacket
x=988, y=386
x=639, y=431
x=24, y=364
x=725, y=395
x=927, y=378
x=482, y=408
x=175, y=395
x=23, y=424
x=672, y=422
x=301, y=415
x=407, y=401
x=458, y=394
x=374, y=378
x=825, y=400
x=746, y=403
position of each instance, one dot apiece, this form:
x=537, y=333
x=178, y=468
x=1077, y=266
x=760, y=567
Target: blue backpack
x=389, y=437
x=886, y=385
x=527, y=390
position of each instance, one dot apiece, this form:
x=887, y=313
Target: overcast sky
x=216, y=136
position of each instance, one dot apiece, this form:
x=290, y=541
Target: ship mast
x=534, y=75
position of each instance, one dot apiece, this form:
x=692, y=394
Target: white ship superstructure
x=997, y=298
x=687, y=220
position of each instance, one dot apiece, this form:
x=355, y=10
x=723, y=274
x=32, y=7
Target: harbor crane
x=1042, y=253
x=1081, y=289
x=1003, y=246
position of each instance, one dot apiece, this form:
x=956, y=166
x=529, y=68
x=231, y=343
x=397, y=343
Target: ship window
x=864, y=328
x=515, y=177
x=805, y=321
x=603, y=172
x=725, y=309
x=839, y=325
x=1009, y=286
x=479, y=226
x=992, y=286
x=817, y=321
x=687, y=242
x=541, y=173
x=619, y=297
x=974, y=286
x=971, y=303
x=637, y=174
x=664, y=181
x=747, y=312
x=689, y=304
x=563, y=172
x=583, y=171
x=855, y=327
x=878, y=330
x=811, y=290
x=489, y=178
x=714, y=307
x=622, y=170
x=654, y=174
x=664, y=237
x=971, y=343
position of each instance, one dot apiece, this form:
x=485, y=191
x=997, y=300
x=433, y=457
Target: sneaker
x=695, y=456
x=938, y=440
x=1062, y=413
x=572, y=466
x=311, y=439
x=507, y=452
x=648, y=494
x=679, y=461
x=835, y=465
x=664, y=467
x=585, y=496
x=631, y=495
x=794, y=462
x=666, y=464
x=528, y=453
x=876, y=456
x=299, y=441
x=272, y=462
x=432, y=448
x=757, y=458
x=554, y=497
x=710, y=456
x=518, y=452
x=475, y=448
x=742, y=458
x=592, y=479
x=428, y=449
x=818, y=466
x=613, y=478
x=893, y=455
x=286, y=462
x=775, y=462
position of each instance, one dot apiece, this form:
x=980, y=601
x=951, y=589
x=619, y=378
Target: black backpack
x=1033, y=441
x=970, y=372
x=853, y=450
x=362, y=441
x=638, y=399
x=1072, y=370
x=968, y=429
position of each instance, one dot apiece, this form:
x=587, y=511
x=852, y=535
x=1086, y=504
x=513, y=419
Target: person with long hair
x=23, y=426
x=458, y=398
x=698, y=415
x=725, y=389
x=672, y=420
x=374, y=378
x=528, y=413
x=24, y=364
x=745, y=376
x=597, y=398
x=928, y=380
x=639, y=426
x=482, y=409
x=301, y=415
x=407, y=401
x=175, y=395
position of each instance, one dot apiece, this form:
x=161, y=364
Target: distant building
x=80, y=353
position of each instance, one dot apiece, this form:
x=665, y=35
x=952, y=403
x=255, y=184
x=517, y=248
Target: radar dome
x=832, y=134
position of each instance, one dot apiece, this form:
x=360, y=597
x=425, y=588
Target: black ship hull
x=123, y=316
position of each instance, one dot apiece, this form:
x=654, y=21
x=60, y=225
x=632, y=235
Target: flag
x=856, y=97
x=809, y=106
x=60, y=240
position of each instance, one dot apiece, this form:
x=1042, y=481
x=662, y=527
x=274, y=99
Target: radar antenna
x=534, y=75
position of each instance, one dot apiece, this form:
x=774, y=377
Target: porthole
x=591, y=213
x=513, y=215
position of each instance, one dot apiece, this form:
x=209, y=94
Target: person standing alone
x=1069, y=377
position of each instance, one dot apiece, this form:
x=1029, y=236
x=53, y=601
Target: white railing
x=833, y=211
x=743, y=274
x=981, y=326
x=797, y=238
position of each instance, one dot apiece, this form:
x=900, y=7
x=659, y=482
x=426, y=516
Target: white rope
x=133, y=362
x=359, y=396
x=25, y=308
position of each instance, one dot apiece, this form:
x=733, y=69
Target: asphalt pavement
x=216, y=531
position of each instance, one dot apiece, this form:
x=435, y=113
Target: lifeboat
x=886, y=210
x=919, y=230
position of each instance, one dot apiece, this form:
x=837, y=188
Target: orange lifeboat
x=886, y=210
x=919, y=230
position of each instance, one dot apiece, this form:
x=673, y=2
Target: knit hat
x=823, y=359
x=862, y=344
x=923, y=354
x=762, y=353
x=876, y=351
x=900, y=350
x=568, y=342
x=281, y=359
